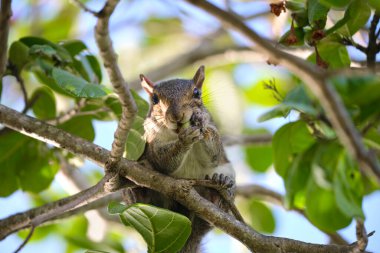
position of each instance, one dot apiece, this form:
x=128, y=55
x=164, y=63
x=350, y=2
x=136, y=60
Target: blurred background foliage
x=55, y=72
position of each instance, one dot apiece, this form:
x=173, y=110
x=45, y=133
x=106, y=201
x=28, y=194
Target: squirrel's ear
x=147, y=84
x=199, y=77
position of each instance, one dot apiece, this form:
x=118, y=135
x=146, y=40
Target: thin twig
x=26, y=239
x=361, y=236
x=245, y=140
x=5, y=15
x=315, y=78
x=85, y=8
x=350, y=42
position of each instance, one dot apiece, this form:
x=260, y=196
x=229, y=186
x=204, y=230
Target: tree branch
x=121, y=88
x=316, y=80
x=249, y=191
x=179, y=189
x=5, y=15
x=245, y=140
x=372, y=45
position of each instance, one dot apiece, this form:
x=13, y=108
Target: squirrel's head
x=172, y=102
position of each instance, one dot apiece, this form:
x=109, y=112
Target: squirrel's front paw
x=221, y=180
x=199, y=119
x=190, y=135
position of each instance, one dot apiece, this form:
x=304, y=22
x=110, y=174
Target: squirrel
x=183, y=142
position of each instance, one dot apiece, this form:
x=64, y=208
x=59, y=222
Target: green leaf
x=321, y=207
x=80, y=126
x=259, y=157
x=348, y=187
x=279, y=111
x=135, y=144
x=374, y=4
x=317, y=14
x=262, y=218
x=335, y=3
x=290, y=139
x=116, y=208
x=358, y=90
x=44, y=105
x=76, y=85
x=25, y=163
x=358, y=13
x=44, y=50
x=30, y=41
x=295, y=38
x=18, y=54
x=296, y=179
x=163, y=230
x=74, y=47
x=334, y=53
x=294, y=5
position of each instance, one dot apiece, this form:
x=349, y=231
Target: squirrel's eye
x=155, y=99
x=196, y=93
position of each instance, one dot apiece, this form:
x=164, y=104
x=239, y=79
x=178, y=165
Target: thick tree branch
x=316, y=80
x=5, y=15
x=180, y=190
x=121, y=88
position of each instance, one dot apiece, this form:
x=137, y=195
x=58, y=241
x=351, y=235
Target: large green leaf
x=262, y=218
x=348, y=187
x=80, y=126
x=334, y=53
x=289, y=140
x=25, y=163
x=259, y=157
x=296, y=179
x=358, y=13
x=321, y=207
x=163, y=230
x=77, y=86
x=44, y=106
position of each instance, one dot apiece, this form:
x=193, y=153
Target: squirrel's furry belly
x=197, y=164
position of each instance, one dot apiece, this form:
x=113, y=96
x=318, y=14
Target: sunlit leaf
x=158, y=227
x=262, y=218
x=335, y=54
x=289, y=140
x=18, y=54
x=76, y=85
x=322, y=209
x=44, y=106
x=116, y=208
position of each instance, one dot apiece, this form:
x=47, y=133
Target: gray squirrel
x=183, y=142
